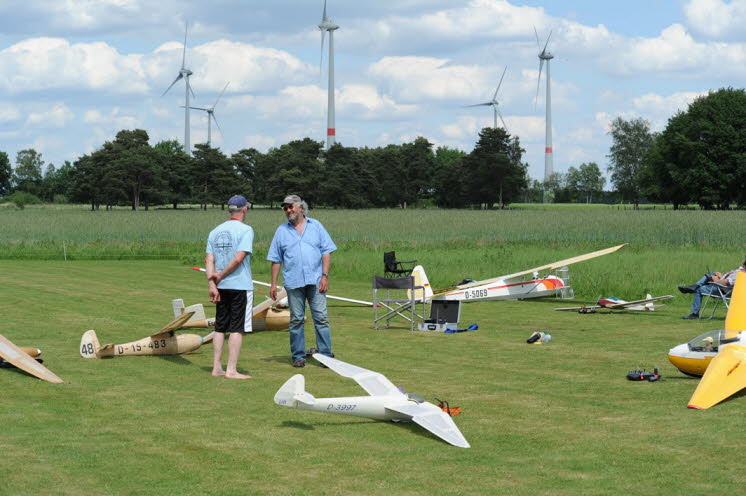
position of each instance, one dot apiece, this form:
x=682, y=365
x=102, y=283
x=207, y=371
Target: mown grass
x=554, y=419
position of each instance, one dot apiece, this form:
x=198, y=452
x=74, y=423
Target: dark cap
x=237, y=201
x=291, y=200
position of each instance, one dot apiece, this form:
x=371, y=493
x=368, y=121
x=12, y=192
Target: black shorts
x=233, y=311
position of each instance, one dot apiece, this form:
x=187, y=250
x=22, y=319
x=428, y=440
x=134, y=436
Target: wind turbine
x=546, y=56
x=184, y=73
x=328, y=26
x=494, y=104
x=211, y=115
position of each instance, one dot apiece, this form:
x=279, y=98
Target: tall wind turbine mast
x=184, y=73
x=211, y=115
x=544, y=55
x=494, y=104
x=328, y=26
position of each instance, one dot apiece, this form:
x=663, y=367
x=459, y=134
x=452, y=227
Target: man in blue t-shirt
x=228, y=268
x=304, y=249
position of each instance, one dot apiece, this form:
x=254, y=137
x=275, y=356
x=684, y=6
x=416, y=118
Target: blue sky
x=74, y=72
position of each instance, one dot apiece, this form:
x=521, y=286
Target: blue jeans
x=703, y=289
x=317, y=303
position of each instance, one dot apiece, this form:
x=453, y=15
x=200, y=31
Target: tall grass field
x=552, y=419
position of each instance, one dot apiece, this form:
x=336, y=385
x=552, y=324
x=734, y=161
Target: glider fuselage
x=505, y=290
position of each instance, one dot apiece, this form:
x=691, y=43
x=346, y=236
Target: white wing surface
x=639, y=302
x=433, y=419
x=375, y=384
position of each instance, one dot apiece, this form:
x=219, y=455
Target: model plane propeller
x=24, y=358
x=614, y=303
x=509, y=287
x=718, y=356
x=386, y=401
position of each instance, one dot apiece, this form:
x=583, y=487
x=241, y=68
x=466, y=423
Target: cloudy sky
x=74, y=72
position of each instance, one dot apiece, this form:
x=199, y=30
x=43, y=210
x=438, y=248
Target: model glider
x=509, y=287
x=331, y=297
x=266, y=316
x=24, y=359
x=614, y=303
x=718, y=356
x=386, y=401
x=163, y=342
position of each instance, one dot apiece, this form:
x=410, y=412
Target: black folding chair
x=396, y=297
x=396, y=268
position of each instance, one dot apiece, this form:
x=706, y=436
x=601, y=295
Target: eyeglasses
x=288, y=207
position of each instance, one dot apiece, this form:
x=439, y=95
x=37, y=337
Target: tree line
x=700, y=157
x=129, y=171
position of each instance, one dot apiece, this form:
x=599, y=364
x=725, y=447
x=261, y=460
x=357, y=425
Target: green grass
x=554, y=419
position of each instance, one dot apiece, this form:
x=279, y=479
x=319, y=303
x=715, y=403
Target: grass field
x=555, y=419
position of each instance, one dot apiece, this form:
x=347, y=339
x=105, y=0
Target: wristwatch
x=325, y=275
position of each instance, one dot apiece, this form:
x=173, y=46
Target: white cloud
x=9, y=113
x=114, y=119
x=716, y=18
x=57, y=116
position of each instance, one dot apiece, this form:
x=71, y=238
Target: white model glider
x=510, y=287
x=22, y=358
x=386, y=401
x=613, y=303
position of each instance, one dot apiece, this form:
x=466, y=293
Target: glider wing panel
x=725, y=376
x=16, y=356
x=433, y=419
x=373, y=383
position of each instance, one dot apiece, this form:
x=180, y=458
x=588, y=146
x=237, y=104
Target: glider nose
x=687, y=362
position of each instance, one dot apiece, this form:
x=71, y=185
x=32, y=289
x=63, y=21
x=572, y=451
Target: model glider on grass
x=25, y=358
x=718, y=356
x=614, y=303
x=266, y=316
x=331, y=297
x=509, y=287
x=386, y=401
x=163, y=342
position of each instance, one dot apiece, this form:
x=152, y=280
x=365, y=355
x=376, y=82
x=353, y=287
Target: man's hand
x=216, y=278
x=273, y=292
x=324, y=284
x=214, y=293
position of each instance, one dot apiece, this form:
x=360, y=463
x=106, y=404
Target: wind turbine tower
x=184, y=74
x=494, y=104
x=327, y=26
x=545, y=56
x=211, y=115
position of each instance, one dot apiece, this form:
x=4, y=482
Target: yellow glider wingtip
x=724, y=377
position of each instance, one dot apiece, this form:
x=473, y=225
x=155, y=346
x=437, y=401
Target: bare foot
x=218, y=373
x=236, y=375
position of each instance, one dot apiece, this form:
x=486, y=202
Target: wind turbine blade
x=501, y=118
x=478, y=105
x=500, y=83
x=537, y=38
x=323, y=17
x=221, y=94
x=216, y=122
x=538, y=82
x=190, y=88
x=321, y=54
x=172, y=84
x=196, y=108
x=547, y=43
x=183, y=53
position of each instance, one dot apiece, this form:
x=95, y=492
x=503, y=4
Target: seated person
x=707, y=285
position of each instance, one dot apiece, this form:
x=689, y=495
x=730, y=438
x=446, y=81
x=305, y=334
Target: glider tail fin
x=293, y=393
x=649, y=305
x=420, y=279
x=89, y=345
x=178, y=306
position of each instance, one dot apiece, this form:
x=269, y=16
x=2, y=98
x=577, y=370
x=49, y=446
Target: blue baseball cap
x=237, y=201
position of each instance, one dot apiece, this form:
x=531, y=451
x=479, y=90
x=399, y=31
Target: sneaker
x=687, y=289
x=299, y=363
x=691, y=316
x=311, y=351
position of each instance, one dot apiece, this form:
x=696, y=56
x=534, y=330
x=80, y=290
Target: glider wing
x=725, y=376
x=436, y=421
x=375, y=384
x=16, y=356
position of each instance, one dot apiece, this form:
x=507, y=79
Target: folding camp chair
x=396, y=297
x=720, y=294
x=395, y=268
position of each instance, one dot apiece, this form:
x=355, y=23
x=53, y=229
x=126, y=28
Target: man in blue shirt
x=227, y=264
x=304, y=249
